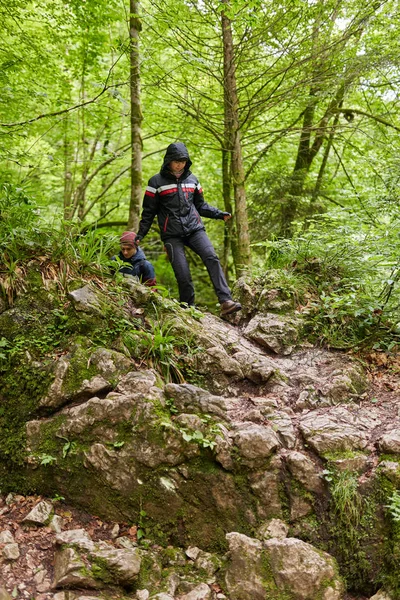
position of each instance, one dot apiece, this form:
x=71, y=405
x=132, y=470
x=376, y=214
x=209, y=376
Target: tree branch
x=356, y=111
x=64, y=111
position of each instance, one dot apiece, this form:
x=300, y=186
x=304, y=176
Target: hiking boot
x=229, y=307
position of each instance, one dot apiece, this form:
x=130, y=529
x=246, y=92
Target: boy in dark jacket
x=176, y=197
x=135, y=262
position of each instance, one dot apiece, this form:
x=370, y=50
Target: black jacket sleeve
x=150, y=209
x=204, y=209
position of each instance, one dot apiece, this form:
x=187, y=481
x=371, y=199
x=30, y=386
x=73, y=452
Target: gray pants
x=201, y=245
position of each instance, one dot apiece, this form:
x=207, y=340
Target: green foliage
x=164, y=346
x=351, y=521
x=348, y=278
x=394, y=506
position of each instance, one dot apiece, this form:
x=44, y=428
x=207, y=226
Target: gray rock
x=122, y=563
x=86, y=300
x=266, y=487
x=192, y=552
x=390, y=442
x=207, y=563
x=192, y=399
x=256, y=368
x=56, y=523
x=55, y=396
x=359, y=463
x=142, y=594
x=115, y=466
x=274, y=528
x=391, y=470
x=215, y=361
x=11, y=552
x=6, y=537
x=125, y=542
x=58, y=394
x=276, y=333
x=255, y=442
x=305, y=471
x=299, y=507
x=71, y=571
x=40, y=514
x=110, y=363
x=302, y=571
x=76, y=537
x=244, y=575
x=200, y=592
x=338, y=430
x=137, y=382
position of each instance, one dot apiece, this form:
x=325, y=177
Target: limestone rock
x=71, y=571
x=115, y=466
x=200, y=592
x=75, y=537
x=6, y=537
x=299, y=507
x=137, y=382
x=189, y=398
x=110, y=363
x=11, y=552
x=305, y=471
x=266, y=487
x=215, y=361
x=86, y=300
x=358, y=463
x=123, y=564
x=390, y=442
x=207, y=563
x=338, y=430
x=276, y=333
x=274, y=528
x=391, y=470
x=303, y=571
x=256, y=368
x=244, y=576
x=56, y=523
x=255, y=442
x=59, y=393
x=40, y=514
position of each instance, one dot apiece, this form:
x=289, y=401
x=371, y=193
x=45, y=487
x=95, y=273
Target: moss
x=273, y=592
x=343, y=454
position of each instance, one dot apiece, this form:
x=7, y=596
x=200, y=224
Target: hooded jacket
x=177, y=202
x=136, y=265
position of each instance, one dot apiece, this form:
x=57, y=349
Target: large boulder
x=276, y=568
x=304, y=572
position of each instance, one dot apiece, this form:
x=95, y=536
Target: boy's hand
x=226, y=216
x=137, y=240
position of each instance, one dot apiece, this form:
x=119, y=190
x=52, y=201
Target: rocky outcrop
x=254, y=437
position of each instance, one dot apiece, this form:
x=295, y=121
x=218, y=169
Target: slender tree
x=136, y=117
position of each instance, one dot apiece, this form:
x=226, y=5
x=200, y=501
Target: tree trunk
x=67, y=170
x=232, y=137
x=136, y=118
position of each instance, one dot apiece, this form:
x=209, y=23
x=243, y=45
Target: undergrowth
x=345, y=278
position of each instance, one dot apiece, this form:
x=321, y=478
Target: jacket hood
x=176, y=151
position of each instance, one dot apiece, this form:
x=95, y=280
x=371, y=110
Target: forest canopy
x=289, y=108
